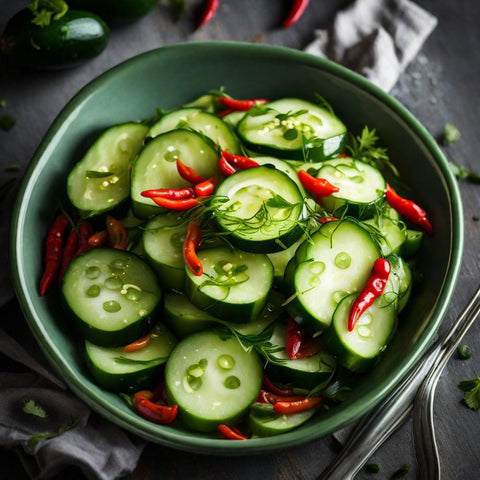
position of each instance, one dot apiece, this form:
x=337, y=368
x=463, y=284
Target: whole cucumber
x=72, y=39
x=115, y=11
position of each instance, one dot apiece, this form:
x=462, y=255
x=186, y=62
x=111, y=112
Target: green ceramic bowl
x=171, y=76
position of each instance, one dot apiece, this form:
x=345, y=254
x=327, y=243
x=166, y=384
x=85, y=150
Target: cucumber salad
x=233, y=266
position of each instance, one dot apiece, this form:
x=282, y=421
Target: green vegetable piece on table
x=472, y=392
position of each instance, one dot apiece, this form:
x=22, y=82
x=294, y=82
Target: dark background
x=441, y=85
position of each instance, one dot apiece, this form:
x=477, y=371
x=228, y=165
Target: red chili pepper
x=225, y=112
x=190, y=245
x=239, y=161
x=69, y=252
x=297, y=406
x=144, y=405
x=98, y=239
x=270, y=387
x=138, y=344
x=209, y=10
x=327, y=219
x=206, y=188
x=267, y=397
x=231, y=433
x=297, y=10
x=116, y=233
x=225, y=167
x=188, y=173
x=373, y=289
x=294, y=338
x=85, y=231
x=170, y=193
x=342, y=155
x=309, y=347
x=410, y=210
x=53, y=254
x=173, y=204
x=240, y=105
x=320, y=187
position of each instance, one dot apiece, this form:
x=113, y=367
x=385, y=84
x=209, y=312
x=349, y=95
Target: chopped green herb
x=472, y=393
x=30, y=407
x=34, y=441
x=96, y=174
x=7, y=122
x=12, y=167
x=451, y=134
x=401, y=472
x=464, y=352
x=372, y=467
x=127, y=399
x=132, y=361
x=45, y=10
x=463, y=173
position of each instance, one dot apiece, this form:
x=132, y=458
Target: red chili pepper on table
x=410, y=210
x=297, y=405
x=169, y=193
x=138, y=344
x=372, y=290
x=143, y=403
x=225, y=167
x=206, y=188
x=234, y=105
x=208, y=12
x=239, y=161
x=231, y=433
x=188, y=173
x=53, y=254
x=69, y=252
x=116, y=233
x=319, y=187
x=173, y=204
x=297, y=10
x=190, y=245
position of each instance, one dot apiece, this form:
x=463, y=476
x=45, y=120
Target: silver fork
x=379, y=424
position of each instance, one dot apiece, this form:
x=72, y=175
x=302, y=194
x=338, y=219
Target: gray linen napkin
x=376, y=38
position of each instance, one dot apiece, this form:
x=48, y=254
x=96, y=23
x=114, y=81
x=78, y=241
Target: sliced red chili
x=138, y=344
x=208, y=12
x=327, y=219
x=116, y=233
x=342, y=155
x=297, y=405
x=206, y=188
x=372, y=290
x=270, y=387
x=294, y=338
x=240, y=105
x=190, y=245
x=98, y=239
x=309, y=348
x=144, y=405
x=53, y=252
x=225, y=112
x=297, y=10
x=319, y=187
x=85, y=231
x=268, y=397
x=188, y=173
x=410, y=210
x=173, y=204
x=170, y=193
x=69, y=252
x=225, y=167
x=239, y=161
x=230, y=433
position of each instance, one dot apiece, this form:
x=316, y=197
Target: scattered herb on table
x=372, y=467
x=31, y=407
x=451, y=134
x=44, y=10
x=472, y=392
x=34, y=441
x=463, y=173
x=401, y=472
x=464, y=352
x=11, y=168
x=7, y=122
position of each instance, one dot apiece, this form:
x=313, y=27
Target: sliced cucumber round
x=234, y=285
x=122, y=371
x=292, y=128
x=112, y=294
x=412, y=244
x=361, y=187
x=201, y=121
x=335, y=261
x=101, y=180
x=393, y=233
x=212, y=379
x=156, y=166
x=359, y=349
x=401, y=270
x=261, y=208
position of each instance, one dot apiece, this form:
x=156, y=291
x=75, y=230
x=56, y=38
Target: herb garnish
x=472, y=392
x=464, y=352
x=401, y=472
x=451, y=134
x=372, y=467
x=34, y=441
x=463, y=173
x=31, y=407
x=7, y=122
x=45, y=10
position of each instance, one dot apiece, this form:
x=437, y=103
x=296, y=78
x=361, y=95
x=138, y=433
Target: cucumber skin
x=66, y=42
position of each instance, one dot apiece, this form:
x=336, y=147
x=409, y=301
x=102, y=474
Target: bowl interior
x=171, y=76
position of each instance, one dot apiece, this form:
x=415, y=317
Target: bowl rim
x=180, y=439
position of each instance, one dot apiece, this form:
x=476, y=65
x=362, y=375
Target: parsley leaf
x=451, y=134
x=472, y=392
x=45, y=10
x=34, y=441
x=463, y=173
x=30, y=407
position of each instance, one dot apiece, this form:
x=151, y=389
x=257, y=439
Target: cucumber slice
x=361, y=187
x=392, y=232
x=156, y=166
x=212, y=379
x=261, y=208
x=412, y=244
x=234, y=286
x=201, y=121
x=233, y=118
x=121, y=371
x=291, y=128
x=263, y=421
x=185, y=318
x=280, y=261
x=101, y=180
x=163, y=239
x=301, y=372
x=359, y=349
x=336, y=261
x=112, y=295
x=284, y=167
x=402, y=272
